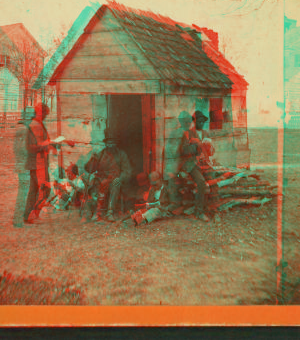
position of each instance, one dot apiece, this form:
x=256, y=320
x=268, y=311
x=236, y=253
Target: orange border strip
x=149, y=316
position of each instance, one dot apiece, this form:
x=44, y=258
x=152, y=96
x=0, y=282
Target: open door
x=125, y=121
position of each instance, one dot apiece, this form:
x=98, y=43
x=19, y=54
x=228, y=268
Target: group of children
x=149, y=201
x=66, y=190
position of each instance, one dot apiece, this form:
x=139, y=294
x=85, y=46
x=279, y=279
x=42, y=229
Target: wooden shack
x=135, y=71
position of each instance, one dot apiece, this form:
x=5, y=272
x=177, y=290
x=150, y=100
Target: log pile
x=229, y=187
x=232, y=186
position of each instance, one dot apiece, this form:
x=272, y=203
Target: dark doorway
x=125, y=120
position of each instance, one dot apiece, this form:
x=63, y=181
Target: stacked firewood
x=229, y=187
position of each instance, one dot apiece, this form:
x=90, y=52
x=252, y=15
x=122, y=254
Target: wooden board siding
x=174, y=104
x=107, y=52
x=110, y=86
x=168, y=108
x=239, y=112
x=9, y=91
x=76, y=106
x=79, y=121
x=98, y=43
x=111, y=49
x=104, y=67
x=223, y=140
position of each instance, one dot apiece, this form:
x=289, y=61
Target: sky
x=250, y=35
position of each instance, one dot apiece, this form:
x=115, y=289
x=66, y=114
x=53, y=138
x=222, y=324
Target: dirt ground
x=179, y=261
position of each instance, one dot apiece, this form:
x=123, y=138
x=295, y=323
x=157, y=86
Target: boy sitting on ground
x=157, y=203
x=65, y=190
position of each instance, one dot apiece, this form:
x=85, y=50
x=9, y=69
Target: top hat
x=198, y=115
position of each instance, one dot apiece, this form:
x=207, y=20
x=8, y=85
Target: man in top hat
x=111, y=168
x=190, y=148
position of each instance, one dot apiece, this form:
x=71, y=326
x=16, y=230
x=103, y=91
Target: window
x=215, y=113
x=4, y=60
x=297, y=60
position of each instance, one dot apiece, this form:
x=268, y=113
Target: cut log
x=246, y=191
x=232, y=179
x=214, y=205
x=235, y=202
x=241, y=182
x=189, y=211
x=220, y=179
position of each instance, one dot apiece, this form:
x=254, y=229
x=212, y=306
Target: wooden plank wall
x=9, y=91
x=239, y=111
x=83, y=120
x=111, y=86
x=168, y=131
x=108, y=52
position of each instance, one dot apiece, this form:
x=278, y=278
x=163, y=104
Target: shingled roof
x=175, y=50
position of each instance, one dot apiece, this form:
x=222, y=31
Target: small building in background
x=21, y=61
x=134, y=72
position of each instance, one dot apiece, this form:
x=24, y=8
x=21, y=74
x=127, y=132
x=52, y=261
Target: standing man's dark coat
x=38, y=146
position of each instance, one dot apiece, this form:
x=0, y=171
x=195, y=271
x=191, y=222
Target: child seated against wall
x=143, y=188
x=157, y=205
x=66, y=190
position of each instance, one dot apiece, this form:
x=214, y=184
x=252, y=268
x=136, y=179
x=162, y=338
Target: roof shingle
x=175, y=50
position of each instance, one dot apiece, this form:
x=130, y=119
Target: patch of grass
x=31, y=290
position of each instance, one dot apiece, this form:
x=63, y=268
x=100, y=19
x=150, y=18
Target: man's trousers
x=37, y=193
x=23, y=186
